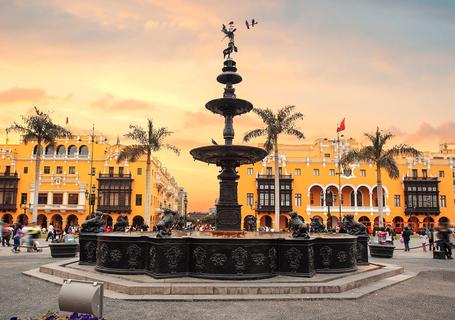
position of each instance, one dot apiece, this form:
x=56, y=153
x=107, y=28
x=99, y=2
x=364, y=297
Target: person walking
x=444, y=235
x=431, y=239
x=50, y=232
x=6, y=235
x=406, y=238
x=17, y=239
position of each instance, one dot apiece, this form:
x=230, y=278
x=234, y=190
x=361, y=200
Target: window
x=441, y=174
x=443, y=201
x=316, y=172
x=42, y=198
x=249, y=171
x=93, y=171
x=47, y=170
x=83, y=151
x=397, y=200
x=414, y=173
x=72, y=170
x=280, y=171
x=73, y=198
x=72, y=150
x=298, y=172
x=57, y=198
x=23, y=198
x=326, y=155
x=424, y=173
x=298, y=199
x=25, y=170
x=111, y=171
x=363, y=173
x=268, y=171
x=139, y=199
x=8, y=170
x=120, y=171
x=249, y=199
x=139, y=171
x=59, y=170
x=331, y=172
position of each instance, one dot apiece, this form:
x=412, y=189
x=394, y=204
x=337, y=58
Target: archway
x=376, y=221
x=7, y=218
x=83, y=150
x=138, y=221
x=72, y=150
x=365, y=221
x=428, y=222
x=42, y=221
x=57, y=221
x=375, y=196
x=61, y=151
x=359, y=198
x=398, y=223
x=316, y=196
x=413, y=222
x=364, y=193
x=266, y=221
x=334, y=221
x=22, y=219
x=443, y=220
x=72, y=220
x=121, y=216
x=284, y=223
x=318, y=218
x=331, y=196
x=49, y=151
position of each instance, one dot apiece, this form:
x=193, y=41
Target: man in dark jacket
x=444, y=235
x=406, y=238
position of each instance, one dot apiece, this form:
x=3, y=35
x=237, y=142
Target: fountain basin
x=217, y=154
x=251, y=255
x=229, y=106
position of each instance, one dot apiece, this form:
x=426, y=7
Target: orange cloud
x=108, y=102
x=18, y=94
x=427, y=135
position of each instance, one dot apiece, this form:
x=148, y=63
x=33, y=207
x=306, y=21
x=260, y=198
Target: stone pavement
x=430, y=295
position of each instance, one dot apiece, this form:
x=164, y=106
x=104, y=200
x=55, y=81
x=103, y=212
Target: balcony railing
x=272, y=209
x=272, y=176
x=114, y=176
x=8, y=175
x=410, y=178
x=350, y=209
x=109, y=208
x=422, y=210
x=62, y=207
x=8, y=207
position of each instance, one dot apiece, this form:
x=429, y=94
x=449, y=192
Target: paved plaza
x=430, y=295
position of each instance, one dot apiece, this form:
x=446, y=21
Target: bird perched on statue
x=252, y=24
x=214, y=142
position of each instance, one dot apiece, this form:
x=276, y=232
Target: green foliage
x=283, y=122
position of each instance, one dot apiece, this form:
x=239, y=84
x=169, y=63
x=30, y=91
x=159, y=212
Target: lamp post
x=185, y=203
x=254, y=207
x=91, y=198
x=328, y=203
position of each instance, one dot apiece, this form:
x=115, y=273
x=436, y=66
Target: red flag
x=342, y=126
x=66, y=120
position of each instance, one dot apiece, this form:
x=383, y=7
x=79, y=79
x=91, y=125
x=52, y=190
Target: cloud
x=18, y=94
x=110, y=103
x=198, y=119
x=428, y=134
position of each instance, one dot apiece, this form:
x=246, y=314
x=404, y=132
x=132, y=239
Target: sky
x=378, y=63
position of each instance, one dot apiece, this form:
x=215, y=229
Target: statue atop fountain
x=228, y=156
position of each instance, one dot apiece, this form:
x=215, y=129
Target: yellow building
x=424, y=193
x=66, y=183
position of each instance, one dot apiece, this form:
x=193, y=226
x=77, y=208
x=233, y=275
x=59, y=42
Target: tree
x=38, y=127
x=147, y=141
x=382, y=158
x=283, y=122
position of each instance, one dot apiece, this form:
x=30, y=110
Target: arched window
x=49, y=150
x=365, y=221
x=35, y=150
x=83, y=150
x=72, y=150
x=61, y=151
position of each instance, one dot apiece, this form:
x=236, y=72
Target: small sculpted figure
x=121, y=224
x=250, y=223
x=93, y=224
x=297, y=226
x=351, y=226
x=316, y=225
x=164, y=226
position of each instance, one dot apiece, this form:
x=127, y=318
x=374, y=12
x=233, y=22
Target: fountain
x=228, y=252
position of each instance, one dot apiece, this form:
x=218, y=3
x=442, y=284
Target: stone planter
x=381, y=250
x=63, y=250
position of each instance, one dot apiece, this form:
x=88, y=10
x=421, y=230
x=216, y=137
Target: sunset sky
x=386, y=63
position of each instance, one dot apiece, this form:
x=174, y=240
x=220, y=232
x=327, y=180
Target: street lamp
x=185, y=202
x=91, y=198
x=328, y=203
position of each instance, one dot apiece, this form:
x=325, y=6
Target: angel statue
x=229, y=33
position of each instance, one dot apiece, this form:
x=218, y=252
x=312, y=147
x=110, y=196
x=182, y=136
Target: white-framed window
x=397, y=200
x=249, y=171
x=315, y=172
x=249, y=199
x=442, y=201
x=298, y=199
x=71, y=170
x=298, y=172
x=268, y=171
x=363, y=173
x=441, y=173
x=331, y=172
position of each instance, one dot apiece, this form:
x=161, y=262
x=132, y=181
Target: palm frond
x=266, y=115
x=284, y=113
x=172, y=148
x=365, y=154
x=402, y=150
x=390, y=165
x=294, y=132
x=254, y=134
x=131, y=153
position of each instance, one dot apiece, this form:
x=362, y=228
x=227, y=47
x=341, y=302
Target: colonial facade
x=311, y=186
x=69, y=190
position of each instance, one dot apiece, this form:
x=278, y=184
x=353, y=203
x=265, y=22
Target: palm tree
x=382, y=158
x=147, y=141
x=38, y=127
x=283, y=122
